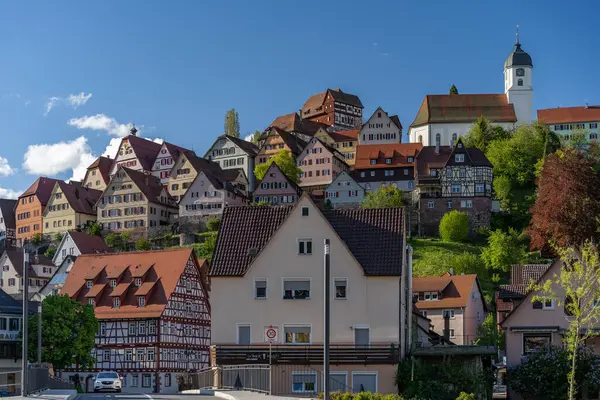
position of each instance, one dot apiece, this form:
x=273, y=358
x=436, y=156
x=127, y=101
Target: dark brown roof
x=103, y=164
x=249, y=147
x=344, y=135
x=201, y=164
x=521, y=278
x=16, y=259
x=396, y=121
x=42, y=188
x=175, y=150
x=318, y=99
x=149, y=185
x=565, y=115
x=373, y=236
x=220, y=183
x=294, y=143
x=345, y=98
x=428, y=158
x=455, y=108
x=290, y=182
x=294, y=123
x=89, y=244
x=7, y=207
x=145, y=150
x=81, y=199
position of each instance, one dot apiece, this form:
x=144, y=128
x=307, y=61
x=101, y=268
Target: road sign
x=271, y=334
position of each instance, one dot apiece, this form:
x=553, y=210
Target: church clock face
x=520, y=72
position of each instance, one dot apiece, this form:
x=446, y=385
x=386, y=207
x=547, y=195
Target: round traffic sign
x=271, y=333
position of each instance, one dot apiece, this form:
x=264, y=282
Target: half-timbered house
x=154, y=315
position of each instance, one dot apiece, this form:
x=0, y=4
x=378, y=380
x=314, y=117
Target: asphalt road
x=141, y=396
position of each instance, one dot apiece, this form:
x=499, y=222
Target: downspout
x=402, y=293
x=409, y=251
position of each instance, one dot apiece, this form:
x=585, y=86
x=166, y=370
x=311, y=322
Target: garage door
x=364, y=382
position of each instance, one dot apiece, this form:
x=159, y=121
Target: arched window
x=520, y=82
x=438, y=139
x=420, y=138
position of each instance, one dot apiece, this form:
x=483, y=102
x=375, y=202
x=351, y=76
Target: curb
x=209, y=392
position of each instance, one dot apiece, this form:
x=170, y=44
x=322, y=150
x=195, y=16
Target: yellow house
x=71, y=206
x=343, y=141
x=184, y=172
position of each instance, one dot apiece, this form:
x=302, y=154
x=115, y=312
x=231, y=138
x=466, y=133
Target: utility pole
x=39, y=334
x=327, y=276
x=25, y=320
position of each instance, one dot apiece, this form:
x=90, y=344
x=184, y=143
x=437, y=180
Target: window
x=91, y=301
x=128, y=355
x=141, y=301
x=304, y=382
x=113, y=283
x=448, y=313
x=479, y=188
x=451, y=333
x=296, y=289
x=142, y=328
x=459, y=157
x=438, y=139
x=548, y=304
x=243, y=334
x=167, y=380
x=431, y=204
x=520, y=82
x=13, y=324
x=102, y=329
x=116, y=302
x=305, y=246
x=456, y=188
x=132, y=328
x=152, y=327
x=297, y=334
x=361, y=336
x=449, y=203
x=150, y=354
x=260, y=289
x=466, y=204
x=364, y=382
x=138, y=282
x=135, y=380
x=341, y=287
x=373, y=162
x=146, y=380
x=388, y=160
x=533, y=342
x=305, y=211
x=106, y=355
x=434, y=295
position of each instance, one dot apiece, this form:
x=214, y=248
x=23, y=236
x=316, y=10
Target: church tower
x=518, y=84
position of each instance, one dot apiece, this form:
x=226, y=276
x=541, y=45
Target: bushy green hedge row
x=379, y=396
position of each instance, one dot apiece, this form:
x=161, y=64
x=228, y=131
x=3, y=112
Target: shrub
x=466, y=396
x=112, y=240
x=213, y=224
x=37, y=239
x=360, y=396
x=143, y=244
x=50, y=252
x=94, y=229
x=454, y=226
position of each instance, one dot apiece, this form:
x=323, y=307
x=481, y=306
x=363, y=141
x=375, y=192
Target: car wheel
x=118, y=390
x=95, y=391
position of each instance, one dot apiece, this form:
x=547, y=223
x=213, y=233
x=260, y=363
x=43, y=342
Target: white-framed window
x=141, y=301
x=135, y=381
x=243, y=334
x=466, y=204
x=137, y=282
x=152, y=327
x=451, y=333
x=89, y=283
x=142, y=328
x=305, y=211
x=479, y=188
x=362, y=335
x=146, y=380
x=459, y=158
x=260, y=288
x=150, y=354
x=167, y=380
x=116, y=302
x=296, y=334
x=431, y=204
x=304, y=382
x=456, y=188
x=132, y=328
x=449, y=313
x=106, y=355
x=113, y=283
x=91, y=301
x=341, y=288
x=364, y=381
x=305, y=246
x=102, y=329
x=548, y=304
x=128, y=355
x=434, y=295
x=338, y=381
x=296, y=288
x=139, y=356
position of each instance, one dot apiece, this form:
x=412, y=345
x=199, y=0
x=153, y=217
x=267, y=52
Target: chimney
x=300, y=113
x=447, y=326
x=451, y=271
x=437, y=147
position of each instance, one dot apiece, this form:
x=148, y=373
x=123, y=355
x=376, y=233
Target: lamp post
x=25, y=321
x=327, y=278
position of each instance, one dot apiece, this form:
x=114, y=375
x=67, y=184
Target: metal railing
x=38, y=378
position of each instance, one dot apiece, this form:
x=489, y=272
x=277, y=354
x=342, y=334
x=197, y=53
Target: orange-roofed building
x=153, y=311
x=344, y=141
x=386, y=165
x=565, y=120
x=30, y=208
x=335, y=108
x=455, y=299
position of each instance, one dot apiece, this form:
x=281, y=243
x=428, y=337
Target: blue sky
x=174, y=67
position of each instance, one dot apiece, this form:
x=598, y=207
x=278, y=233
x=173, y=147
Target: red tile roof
x=398, y=152
x=163, y=269
x=344, y=136
x=103, y=164
x=455, y=294
x=144, y=149
x=89, y=244
x=455, y=108
x=294, y=123
x=564, y=115
x=42, y=188
x=431, y=283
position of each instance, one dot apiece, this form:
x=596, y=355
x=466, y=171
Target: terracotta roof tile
x=292, y=122
x=120, y=289
x=345, y=136
x=431, y=283
x=145, y=288
x=454, y=108
x=398, y=152
x=150, y=186
x=564, y=115
x=95, y=290
x=455, y=294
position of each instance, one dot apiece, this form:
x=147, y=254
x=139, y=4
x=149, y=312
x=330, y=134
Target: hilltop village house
x=335, y=108
x=30, y=208
x=232, y=152
x=320, y=165
x=154, y=316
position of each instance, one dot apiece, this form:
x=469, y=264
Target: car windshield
x=103, y=375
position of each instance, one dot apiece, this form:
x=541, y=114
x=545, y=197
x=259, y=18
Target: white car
x=107, y=381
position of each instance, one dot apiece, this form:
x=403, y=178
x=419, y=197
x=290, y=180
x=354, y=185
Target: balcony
x=306, y=354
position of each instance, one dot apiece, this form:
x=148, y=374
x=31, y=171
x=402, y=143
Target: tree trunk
x=573, y=362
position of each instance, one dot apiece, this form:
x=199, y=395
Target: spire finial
x=133, y=130
x=517, y=33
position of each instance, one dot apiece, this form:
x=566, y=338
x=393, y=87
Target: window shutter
x=537, y=305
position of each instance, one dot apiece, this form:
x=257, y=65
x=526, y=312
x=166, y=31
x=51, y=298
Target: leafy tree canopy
x=50, y=252
x=384, y=197
x=94, y=229
x=232, y=123
x=453, y=89
x=454, y=226
x=213, y=224
x=504, y=249
x=285, y=161
x=112, y=239
x=255, y=136
x=68, y=332
x=143, y=244
x=482, y=133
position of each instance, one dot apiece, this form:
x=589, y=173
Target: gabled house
x=293, y=123
x=335, y=108
x=276, y=188
x=75, y=243
x=344, y=141
x=135, y=200
x=565, y=121
x=452, y=177
x=40, y=271
x=97, y=175
x=167, y=155
x=272, y=257
x=386, y=165
x=453, y=303
x=208, y=195
x=344, y=191
x=153, y=312
x=8, y=228
x=232, y=152
x=135, y=153
x=381, y=129
x=54, y=285
x=276, y=140
x=184, y=172
x=320, y=165
x=70, y=206
x=530, y=325
x=11, y=318
x=30, y=208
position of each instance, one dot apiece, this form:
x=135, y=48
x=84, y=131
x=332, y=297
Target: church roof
x=464, y=108
x=518, y=57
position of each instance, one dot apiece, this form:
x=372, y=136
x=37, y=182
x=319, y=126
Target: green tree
x=112, y=240
x=503, y=250
x=580, y=282
x=58, y=236
x=50, y=252
x=213, y=224
x=328, y=205
x=232, y=123
x=285, y=161
x=143, y=244
x=94, y=229
x=454, y=226
x=453, y=89
x=68, y=333
x=206, y=249
x=125, y=237
x=37, y=239
x=255, y=137
x=384, y=197
x=482, y=133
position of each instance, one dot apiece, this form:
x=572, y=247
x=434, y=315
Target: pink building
x=276, y=187
x=320, y=165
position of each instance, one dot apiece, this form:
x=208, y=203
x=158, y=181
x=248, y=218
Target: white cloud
x=76, y=100
x=5, y=168
x=101, y=122
x=112, y=148
x=52, y=159
x=52, y=101
x=158, y=140
x=9, y=193
x=249, y=137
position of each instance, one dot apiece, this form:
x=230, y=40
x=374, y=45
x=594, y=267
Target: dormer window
x=373, y=162
x=141, y=301
x=138, y=282
x=459, y=157
x=91, y=302
x=113, y=283
x=89, y=284
x=388, y=160
x=116, y=302
x=411, y=159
